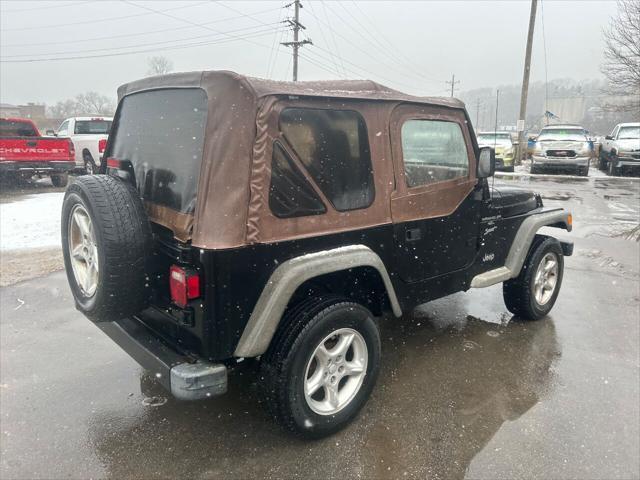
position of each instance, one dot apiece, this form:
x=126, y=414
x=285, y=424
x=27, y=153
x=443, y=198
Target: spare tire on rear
x=106, y=238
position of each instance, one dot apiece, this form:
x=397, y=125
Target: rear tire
x=60, y=180
x=291, y=364
x=106, y=237
x=522, y=295
x=89, y=165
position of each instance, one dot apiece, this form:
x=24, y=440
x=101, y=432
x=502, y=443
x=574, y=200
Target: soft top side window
x=333, y=146
x=290, y=194
x=433, y=151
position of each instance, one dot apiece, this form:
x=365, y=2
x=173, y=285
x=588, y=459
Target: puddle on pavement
x=446, y=388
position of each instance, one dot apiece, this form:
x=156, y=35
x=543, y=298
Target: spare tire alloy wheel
x=83, y=251
x=106, y=240
x=335, y=371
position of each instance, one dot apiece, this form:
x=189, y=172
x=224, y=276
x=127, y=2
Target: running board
x=491, y=277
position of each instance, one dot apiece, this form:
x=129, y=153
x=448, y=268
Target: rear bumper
x=37, y=167
x=185, y=378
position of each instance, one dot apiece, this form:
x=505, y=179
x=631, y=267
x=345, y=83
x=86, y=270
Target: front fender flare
x=284, y=281
x=520, y=247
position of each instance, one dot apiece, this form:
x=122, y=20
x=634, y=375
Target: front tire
x=612, y=170
x=321, y=366
x=533, y=293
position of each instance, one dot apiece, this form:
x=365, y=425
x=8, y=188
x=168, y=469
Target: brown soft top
x=231, y=187
x=260, y=87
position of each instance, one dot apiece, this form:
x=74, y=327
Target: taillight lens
x=184, y=285
x=102, y=145
x=72, y=151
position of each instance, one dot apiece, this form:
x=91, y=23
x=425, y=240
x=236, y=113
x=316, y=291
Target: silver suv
x=562, y=147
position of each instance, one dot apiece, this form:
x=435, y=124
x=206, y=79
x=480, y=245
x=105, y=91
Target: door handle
x=412, y=234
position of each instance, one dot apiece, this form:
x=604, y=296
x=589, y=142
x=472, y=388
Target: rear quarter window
x=333, y=146
x=161, y=133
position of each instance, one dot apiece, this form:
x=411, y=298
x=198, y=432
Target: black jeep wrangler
x=236, y=217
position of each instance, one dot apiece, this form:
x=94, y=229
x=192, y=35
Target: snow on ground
x=32, y=221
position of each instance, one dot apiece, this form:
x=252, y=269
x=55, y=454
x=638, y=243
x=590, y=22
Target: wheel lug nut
x=341, y=369
x=333, y=379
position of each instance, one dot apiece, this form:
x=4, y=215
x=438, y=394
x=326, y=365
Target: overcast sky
x=412, y=46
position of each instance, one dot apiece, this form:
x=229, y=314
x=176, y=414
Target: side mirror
x=51, y=133
x=486, y=162
x=608, y=137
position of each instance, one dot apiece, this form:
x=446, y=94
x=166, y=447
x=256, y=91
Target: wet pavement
x=465, y=390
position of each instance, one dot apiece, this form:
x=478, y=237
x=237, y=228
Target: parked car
x=502, y=143
x=25, y=153
x=621, y=149
x=89, y=136
x=246, y=218
x=562, y=147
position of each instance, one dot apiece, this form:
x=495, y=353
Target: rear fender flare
x=284, y=281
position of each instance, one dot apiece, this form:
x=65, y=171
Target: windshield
x=490, y=139
x=12, y=128
x=574, y=134
x=92, y=127
x=629, y=133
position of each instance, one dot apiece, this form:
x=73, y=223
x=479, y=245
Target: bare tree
x=89, y=103
x=622, y=54
x=94, y=103
x=159, y=65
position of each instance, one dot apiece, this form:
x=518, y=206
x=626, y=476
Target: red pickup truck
x=24, y=153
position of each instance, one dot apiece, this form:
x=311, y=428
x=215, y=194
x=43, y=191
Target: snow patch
x=31, y=222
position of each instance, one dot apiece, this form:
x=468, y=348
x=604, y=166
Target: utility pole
x=452, y=83
x=525, y=82
x=296, y=44
x=477, y=113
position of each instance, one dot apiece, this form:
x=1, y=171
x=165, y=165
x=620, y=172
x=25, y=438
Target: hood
x=514, y=201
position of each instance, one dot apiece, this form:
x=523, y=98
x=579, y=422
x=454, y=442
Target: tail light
x=72, y=151
x=102, y=145
x=184, y=285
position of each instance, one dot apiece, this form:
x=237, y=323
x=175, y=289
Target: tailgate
x=38, y=149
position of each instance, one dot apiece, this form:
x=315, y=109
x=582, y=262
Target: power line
x=390, y=53
x=56, y=6
x=99, y=20
x=333, y=36
x=386, y=79
x=184, y=20
x=364, y=51
x=273, y=47
x=324, y=38
x=136, y=34
x=253, y=30
x=169, y=47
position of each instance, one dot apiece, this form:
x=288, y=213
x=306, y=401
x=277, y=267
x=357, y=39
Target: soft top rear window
x=161, y=133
